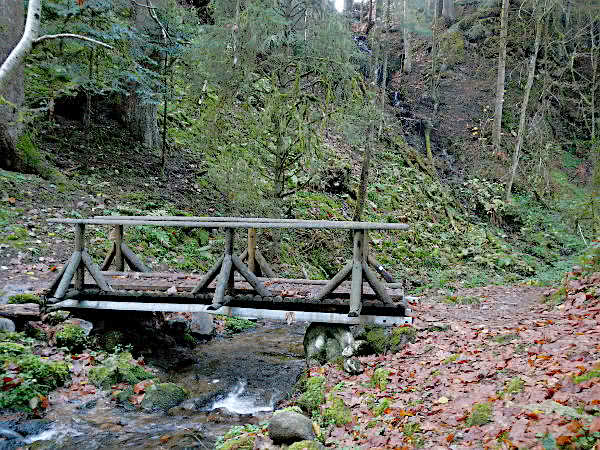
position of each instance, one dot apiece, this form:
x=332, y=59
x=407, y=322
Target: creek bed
x=234, y=381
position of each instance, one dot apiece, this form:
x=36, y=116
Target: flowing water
x=234, y=381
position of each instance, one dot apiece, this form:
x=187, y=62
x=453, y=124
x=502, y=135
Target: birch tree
x=407, y=64
x=497, y=130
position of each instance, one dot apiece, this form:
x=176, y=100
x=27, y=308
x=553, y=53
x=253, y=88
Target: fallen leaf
x=443, y=400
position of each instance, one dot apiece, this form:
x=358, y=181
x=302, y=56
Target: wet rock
x=117, y=369
x=90, y=404
x=327, y=342
x=45, y=445
x=287, y=427
x=163, y=396
x=7, y=324
x=33, y=427
x=202, y=324
x=7, y=433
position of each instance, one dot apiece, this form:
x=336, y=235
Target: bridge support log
x=209, y=276
x=65, y=281
x=357, y=270
x=110, y=256
x=86, y=260
x=79, y=247
x=376, y=285
x=133, y=261
x=117, y=235
x=335, y=282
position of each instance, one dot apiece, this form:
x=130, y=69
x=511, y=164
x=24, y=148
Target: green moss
x=239, y=443
x=380, y=407
x=118, y=369
x=111, y=340
x=56, y=317
x=452, y=48
x=587, y=376
x=237, y=325
x=514, y=386
x=72, y=337
x=380, y=378
x=295, y=409
x=305, y=445
x=377, y=339
x=21, y=299
x=163, y=396
x=314, y=394
x=400, y=336
x=451, y=359
x=480, y=415
x=503, y=338
x=558, y=297
x=13, y=348
x=338, y=413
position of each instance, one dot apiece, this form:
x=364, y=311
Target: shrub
x=314, y=394
x=72, y=337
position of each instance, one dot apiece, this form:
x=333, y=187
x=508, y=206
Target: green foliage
x=55, y=317
x=380, y=377
x=118, y=368
x=380, y=407
x=25, y=377
x=586, y=376
x=240, y=437
x=314, y=394
x=72, y=337
x=238, y=324
x=25, y=298
x=514, y=386
x=480, y=415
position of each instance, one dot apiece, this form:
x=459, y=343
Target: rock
x=22, y=312
x=202, y=324
x=7, y=324
x=117, y=369
x=353, y=366
x=327, y=342
x=306, y=445
x=7, y=433
x=86, y=326
x=176, y=326
x=37, y=330
x=163, y=396
x=13, y=289
x=287, y=427
x=55, y=317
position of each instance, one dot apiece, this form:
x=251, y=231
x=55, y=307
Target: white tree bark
x=407, y=65
x=32, y=30
x=496, y=132
x=524, y=104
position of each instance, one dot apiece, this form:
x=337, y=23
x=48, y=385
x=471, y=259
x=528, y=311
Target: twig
x=48, y=37
x=581, y=233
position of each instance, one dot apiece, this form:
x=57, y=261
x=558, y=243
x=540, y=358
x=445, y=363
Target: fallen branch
x=48, y=37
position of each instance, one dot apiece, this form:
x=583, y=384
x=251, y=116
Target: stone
x=37, y=330
x=25, y=311
x=353, y=366
x=306, y=445
x=288, y=427
x=13, y=289
x=117, y=369
x=202, y=324
x=7, y=325
x=55, y=317
x=83, y=324
x=176, y=326
x=327, y=342
x=163, y=396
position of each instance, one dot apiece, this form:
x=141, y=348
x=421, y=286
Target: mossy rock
x=401, y=336
x=56, y=317
x=306, y=445
x=380, y=378
x=163, y=396
x=338, y=413
x=21, y=299
x=118, y=369
x=314, y=394
x=239, y=443
x=377, y=339
x=452, y=48
x=72, y=337
x=295, y=409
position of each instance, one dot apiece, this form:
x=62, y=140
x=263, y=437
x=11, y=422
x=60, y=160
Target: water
x=233, y=382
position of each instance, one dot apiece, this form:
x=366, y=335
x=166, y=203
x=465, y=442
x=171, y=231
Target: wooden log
x=376, y=285
x=357, y=284
x=334, y=282
x=264, y=265
x=56, y=281
x=94, y=271
x=109, y=257
x=250, y=277
x=243, y=255
x=65, y=281
x=134, y=262
x=295, y=224
x=222, y=283
x=209, y=276
x=229, y=235
x=117, y=235
x=252, y=250
x=380, y=270
x=79, y=247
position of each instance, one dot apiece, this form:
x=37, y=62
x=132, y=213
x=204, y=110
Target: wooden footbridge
x=231, y=286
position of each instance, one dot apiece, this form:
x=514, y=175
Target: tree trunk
x=364, y=177
x=407, y=65
x=448, y=9
x=496, y=132
x=140, y=115
x=11, y=27
x=528, y=85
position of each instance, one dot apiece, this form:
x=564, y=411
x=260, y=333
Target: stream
x=234, y=381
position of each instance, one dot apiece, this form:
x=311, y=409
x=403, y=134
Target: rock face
x=287, y=427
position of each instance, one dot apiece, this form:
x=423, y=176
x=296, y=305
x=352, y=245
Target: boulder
x=7, y=325
x=202, y=324
x=20, y=312
x=117, y=369
x=353, y=366
x=37, y=330
x=163, y=396
x=327, y=342
x=287, y=427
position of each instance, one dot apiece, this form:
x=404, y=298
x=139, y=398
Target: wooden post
x=118, y=237
x=79, y=247
x=225, y=280
x=357, y=270
x=229, y=232
x=334, y=282
x=109, y=258
x=252, y=250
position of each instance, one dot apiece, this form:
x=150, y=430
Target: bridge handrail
x=240, y=222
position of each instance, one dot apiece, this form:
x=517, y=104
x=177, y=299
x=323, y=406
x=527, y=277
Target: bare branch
x=48, y=37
